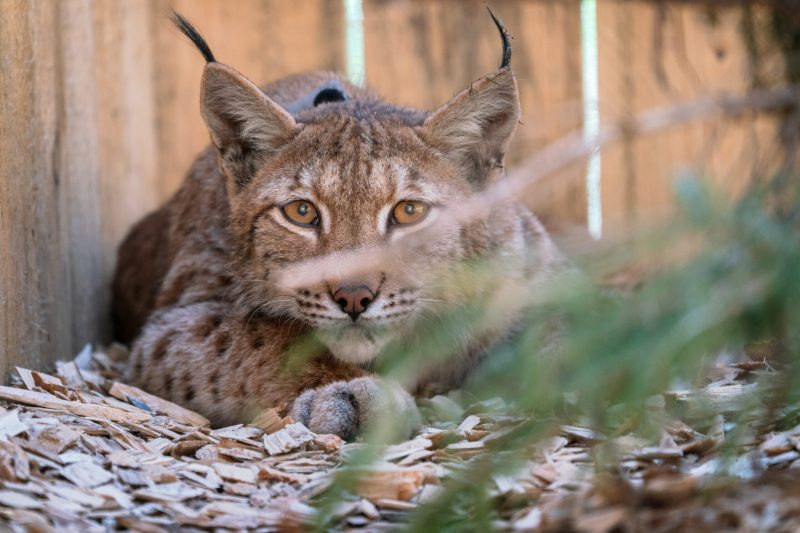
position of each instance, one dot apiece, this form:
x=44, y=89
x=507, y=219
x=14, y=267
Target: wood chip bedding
x=83, y=451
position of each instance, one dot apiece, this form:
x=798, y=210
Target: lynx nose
x=353, y=300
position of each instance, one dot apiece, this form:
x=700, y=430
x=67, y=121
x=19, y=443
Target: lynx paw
x=346, y=407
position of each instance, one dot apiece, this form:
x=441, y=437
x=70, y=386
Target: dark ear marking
x=329, y=95
x=329, y=92
x=191, y=32
x=506, y=59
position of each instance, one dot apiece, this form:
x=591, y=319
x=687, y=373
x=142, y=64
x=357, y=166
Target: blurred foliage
x=729, y=277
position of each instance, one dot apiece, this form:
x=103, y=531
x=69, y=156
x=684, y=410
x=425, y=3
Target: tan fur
x=194, y=289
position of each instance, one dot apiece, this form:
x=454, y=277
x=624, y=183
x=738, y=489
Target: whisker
x=240, y=282
x=265, y=304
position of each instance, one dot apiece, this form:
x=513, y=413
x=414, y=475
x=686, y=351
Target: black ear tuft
x=329, y=95
x=506, y=60
x=191, y=32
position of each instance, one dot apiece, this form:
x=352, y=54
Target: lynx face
x=353, y=174
x=360, y=185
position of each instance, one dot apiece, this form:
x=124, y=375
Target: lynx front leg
x=345, y=408
x=223, y=363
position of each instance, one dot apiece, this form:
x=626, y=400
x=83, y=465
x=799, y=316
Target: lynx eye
x=408, y=212
x=301, y=212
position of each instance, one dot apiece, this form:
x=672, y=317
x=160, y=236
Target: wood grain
x=654, y=55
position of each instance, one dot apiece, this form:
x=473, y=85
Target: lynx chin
x=312, y=166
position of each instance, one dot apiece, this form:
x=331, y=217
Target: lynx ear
x=475, y=127
x=245, y=125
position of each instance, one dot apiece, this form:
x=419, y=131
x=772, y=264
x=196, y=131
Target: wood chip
x=658, y=453
x=125, y=392
x=777, y=444
x=266, y=472
x=27, y=377
x=202, y=475
x=168, y=492
x=140, y=526
x=70, y=374
x=390, y=481
x=239, y=489
x=270, y=421
x=122, y=499
x=10, y=498
x=187, y=447
x=10, y=425
x=238, y=432
x=242, y=454
x=76, y=408
x=134, y=478
x=80, y=496
x=468, y=424
x=669, y=488
x=15, y=464
x=786, y=457
x=399, y=451
x=123, y=458
x=57, y=438
x=86, y=474
x=65, y=465
x=415, y=457
x=235, y=473
x=397, y=505
x=328, y=443
x=49, y=383
x=287, y=439
x=466, y=445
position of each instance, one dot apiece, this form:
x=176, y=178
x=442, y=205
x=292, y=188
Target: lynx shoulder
x=313, y=166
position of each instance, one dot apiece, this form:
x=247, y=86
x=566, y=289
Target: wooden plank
x=32, y=282
x=74, y=168
x=78, y=175
x=656, y=54
x=126, y=120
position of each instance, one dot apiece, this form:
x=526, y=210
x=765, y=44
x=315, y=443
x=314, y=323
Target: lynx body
x=313, y=166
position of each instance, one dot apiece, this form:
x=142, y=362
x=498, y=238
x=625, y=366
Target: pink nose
x=353, y=300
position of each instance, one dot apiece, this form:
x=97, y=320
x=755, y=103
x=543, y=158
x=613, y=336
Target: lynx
x=315, y=166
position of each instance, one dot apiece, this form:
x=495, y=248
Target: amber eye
x=409, y=212
x=301, y=212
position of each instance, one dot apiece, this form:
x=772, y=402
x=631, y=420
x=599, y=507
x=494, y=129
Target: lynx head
x=340, y=173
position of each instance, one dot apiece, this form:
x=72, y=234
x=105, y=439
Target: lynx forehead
x=313, y=166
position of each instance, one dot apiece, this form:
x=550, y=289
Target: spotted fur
x=195, y=288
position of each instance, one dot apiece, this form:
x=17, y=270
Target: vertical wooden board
x=654, y=55
x=549, y=73
x=263, y=39
x=84, y=307
x=422, y=53
x=126, y=119
x=32, y=295
x=78, y=166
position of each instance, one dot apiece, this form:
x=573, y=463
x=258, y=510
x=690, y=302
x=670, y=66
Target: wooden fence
x=99, y=115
